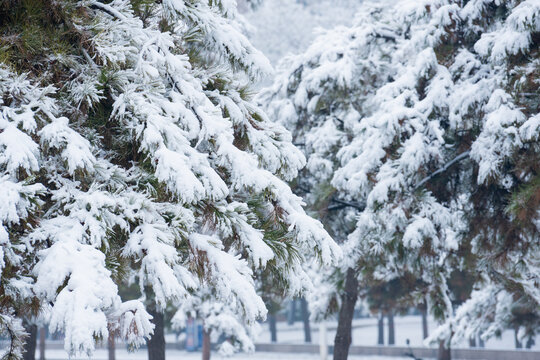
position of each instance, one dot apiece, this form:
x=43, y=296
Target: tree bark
x=206, y=345
x=380, y=326
x=31, y=341
x=343, y=338
x=42, y=339
x=423, y=311
x=156, y=344
x=273, y=327
x=480, y=342
x=111, y=347
x=444, y=352
x=472, y=342
x=391, y=328
x=305, y=319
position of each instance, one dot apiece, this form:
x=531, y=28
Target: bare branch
x=343, y=204
x=443, y=169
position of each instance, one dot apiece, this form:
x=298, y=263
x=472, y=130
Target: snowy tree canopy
x=423, y=118
x=130, y=149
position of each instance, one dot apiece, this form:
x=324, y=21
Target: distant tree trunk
x=305, y=319
x=323, y=344
x=156, y=344
x=42, y=335
x=111, y=346
x=391, y=328
x=444, y=352
x=206, y=345
x=380, y=326
x=31, y=341
x=343, y=338
x=516, y=339
x=273, y=327
x=423, y=311
x=530, y=342
x=472, y=342
x=291, y=314
x=480, y=342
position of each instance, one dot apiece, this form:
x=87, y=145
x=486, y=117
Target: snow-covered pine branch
x=132, y=153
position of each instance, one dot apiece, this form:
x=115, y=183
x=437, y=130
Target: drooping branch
x=458, y=158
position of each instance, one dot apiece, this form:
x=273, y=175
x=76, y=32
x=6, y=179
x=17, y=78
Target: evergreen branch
x=443, y=169
x=108, y=9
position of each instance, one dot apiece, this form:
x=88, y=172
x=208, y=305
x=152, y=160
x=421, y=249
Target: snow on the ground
x=141, y=354
x=365, y=333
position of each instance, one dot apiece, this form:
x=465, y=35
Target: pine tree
x=131, y=152
x=431, y=106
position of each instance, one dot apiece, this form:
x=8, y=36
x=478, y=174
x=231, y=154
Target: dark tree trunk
x=380, y=327
x=530, y=342
x=343, y=339
x=42, y=339
x=156, y=344
x=291, y=314
x=391, y=328
x=206, y=345
x=273, y=327
x=444, y=352
x=111, y=347
x=516, y=339
x=472, y=342
x=31, y=342
x=480, y=342
x=305, y=319
x=423, y=311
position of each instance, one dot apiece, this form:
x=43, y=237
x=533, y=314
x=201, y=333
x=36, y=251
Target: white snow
x=141, y=354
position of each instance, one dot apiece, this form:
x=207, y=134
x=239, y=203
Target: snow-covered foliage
x=136, y=153
x=220, y=320
x=421, y=119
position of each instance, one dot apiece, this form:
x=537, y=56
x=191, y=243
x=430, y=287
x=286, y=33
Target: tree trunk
x=391, y=328
x=380, y=326
x=444, y=352
x=111, y=347
x=516, y=339
x=156, y=344
x=343, y=338
x=273, y=327
x=305, y=319
x=31, y=341
x=480, y=342
x=291, y=314
x=423, y=311
x=42, y=339
x=323, y=344
x=206, y=345
x=472, y=342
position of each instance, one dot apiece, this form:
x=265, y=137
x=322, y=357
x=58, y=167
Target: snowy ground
x=365, y=333
x=177, y=354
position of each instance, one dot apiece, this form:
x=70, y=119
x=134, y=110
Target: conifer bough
x=130, y=152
